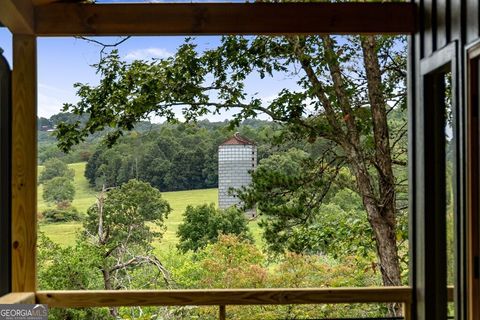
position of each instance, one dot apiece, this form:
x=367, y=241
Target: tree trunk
x=382, y=214
x=387, y=252
x=108, y=286
x=381, y=217
x=382, y=220
x=386, y=244
x=379, y=202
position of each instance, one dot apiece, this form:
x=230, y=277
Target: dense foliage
x=121, y=215
x=172, y=157
x=115, y=249
x=235, y=263
x=231, y=262
x=176, y=158
x=203, y=225
x=61, y=214
x=306, y=215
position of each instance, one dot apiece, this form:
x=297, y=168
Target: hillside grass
x=64, y=233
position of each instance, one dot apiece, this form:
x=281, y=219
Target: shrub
x=61, y=215
x=203, y=225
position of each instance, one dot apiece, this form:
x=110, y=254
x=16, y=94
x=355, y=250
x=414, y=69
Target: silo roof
x=238, y=139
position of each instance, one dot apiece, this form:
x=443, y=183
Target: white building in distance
x=237, y=157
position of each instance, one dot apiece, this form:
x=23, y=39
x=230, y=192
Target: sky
x=63, y=61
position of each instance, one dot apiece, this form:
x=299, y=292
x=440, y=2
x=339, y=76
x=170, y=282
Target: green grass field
x=64, y=233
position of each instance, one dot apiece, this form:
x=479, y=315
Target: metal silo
x=237, y=156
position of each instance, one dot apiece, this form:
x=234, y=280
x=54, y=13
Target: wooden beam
x=17, y=15
x=24, y=163
x=44, y=2
x=66, y=19
x=18, y=298
x=105, y=298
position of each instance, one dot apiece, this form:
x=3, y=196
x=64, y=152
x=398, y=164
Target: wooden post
x=24, y=163
x=222, y=313
x=407, y=311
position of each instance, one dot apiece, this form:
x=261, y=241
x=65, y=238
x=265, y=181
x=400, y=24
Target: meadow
x=64, y=233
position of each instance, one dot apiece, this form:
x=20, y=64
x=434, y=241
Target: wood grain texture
x=224, y=18
x=407, y=311
x=17, y=15
x=18, y=298
x=24, y=163
x=105, y=298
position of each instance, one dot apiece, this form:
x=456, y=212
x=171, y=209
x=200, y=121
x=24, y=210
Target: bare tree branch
x=104, y=45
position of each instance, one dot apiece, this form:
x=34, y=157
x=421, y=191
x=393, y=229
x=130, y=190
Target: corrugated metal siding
x=235, y=162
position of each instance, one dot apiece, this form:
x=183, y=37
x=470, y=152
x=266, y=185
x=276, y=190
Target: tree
x=329, y=222
x=70, y=268
x=59, y=190
x=119, y=226
x=347, y=86
x=55, y=168
x=203, y=225
x=114, y=251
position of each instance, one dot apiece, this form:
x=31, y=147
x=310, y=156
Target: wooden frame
x=27, y=21
x=24, y=163
x=18, y=298
x=224, y=18
x=473, y=184
x=5, y=176
x=218, y=297
x=18, y=16
x=428, y=184
x=209, y=297
x=67, y=19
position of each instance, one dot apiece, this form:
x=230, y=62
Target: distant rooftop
x=238, y=139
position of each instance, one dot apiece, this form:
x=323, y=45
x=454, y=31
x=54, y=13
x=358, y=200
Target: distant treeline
x=172, y=157
x=169, y=157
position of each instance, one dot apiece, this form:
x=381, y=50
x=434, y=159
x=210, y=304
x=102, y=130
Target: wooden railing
x=18, y=298
x=218, y=297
